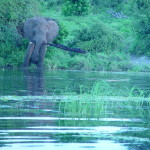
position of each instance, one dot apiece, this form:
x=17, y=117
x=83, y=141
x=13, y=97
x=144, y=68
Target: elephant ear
x=53, y=30
x=29, y=28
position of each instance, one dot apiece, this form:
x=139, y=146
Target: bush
x=142, y=26
x=142, y=45
x=81, y=63
x=56, y=58
x=75, y=7
x=117, y=4
x=50, y=3
x=13, y=13
x=63, y=33
x=99, y=38
x=11, y=55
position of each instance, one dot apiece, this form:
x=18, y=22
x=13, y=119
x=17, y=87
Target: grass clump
x=104, y=101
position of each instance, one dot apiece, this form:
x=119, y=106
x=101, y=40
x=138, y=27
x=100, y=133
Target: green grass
x=103, y=101
x=95, y=104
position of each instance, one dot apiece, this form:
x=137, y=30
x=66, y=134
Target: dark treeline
x=110, y=31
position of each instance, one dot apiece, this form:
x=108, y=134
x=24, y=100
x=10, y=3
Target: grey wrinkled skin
x=41, y=31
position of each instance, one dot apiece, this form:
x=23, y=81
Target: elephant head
x=39, y=31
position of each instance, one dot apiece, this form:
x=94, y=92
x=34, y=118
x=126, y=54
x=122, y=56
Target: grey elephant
x=41, y=32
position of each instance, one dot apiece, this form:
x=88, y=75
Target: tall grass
x=104, y=102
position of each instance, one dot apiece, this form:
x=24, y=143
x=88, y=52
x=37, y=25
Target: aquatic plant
x=102, y=102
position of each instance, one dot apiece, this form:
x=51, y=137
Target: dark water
x=42, y=110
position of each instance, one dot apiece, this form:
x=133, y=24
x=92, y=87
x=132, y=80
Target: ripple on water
x=57, y=118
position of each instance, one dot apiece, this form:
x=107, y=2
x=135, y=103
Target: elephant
x=41, y=32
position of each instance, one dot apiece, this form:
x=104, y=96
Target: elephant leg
x=42, y=53
x=28, y=54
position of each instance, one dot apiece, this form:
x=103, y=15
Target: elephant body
x=39, y=31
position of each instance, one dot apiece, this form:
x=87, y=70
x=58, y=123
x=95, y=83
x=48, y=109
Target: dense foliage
x=110, y=31
x=142, y=26
x=99, y=38
x=13, y=13
x=75, y=7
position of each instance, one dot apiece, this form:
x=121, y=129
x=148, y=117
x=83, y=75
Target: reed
x=103, y=102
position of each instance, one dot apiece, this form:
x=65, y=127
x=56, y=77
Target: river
x=78, y=110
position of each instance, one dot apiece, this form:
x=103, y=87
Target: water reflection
x=48, y=82
x=34, y=82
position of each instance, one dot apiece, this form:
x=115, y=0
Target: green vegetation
x=100, y=102
x=13, y=13
x=75, y=7
x=102, y=99
x=142, y=26
x=110, y=31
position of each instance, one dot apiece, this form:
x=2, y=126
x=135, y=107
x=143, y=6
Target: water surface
x=41, y=110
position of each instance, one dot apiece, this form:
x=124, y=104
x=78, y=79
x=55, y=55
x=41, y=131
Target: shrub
x=50, y=3
x=63, y=33
x=142, y=45
x=75, y=7
x=117, y=4
x=80, y=63
x=13, y=13
x=99, y=38
x=141, y=13
x=56, y=58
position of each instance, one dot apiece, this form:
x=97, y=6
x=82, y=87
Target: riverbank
x=108, y=40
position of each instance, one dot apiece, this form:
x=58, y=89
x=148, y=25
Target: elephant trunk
x=35, y=54
x=39, y=41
